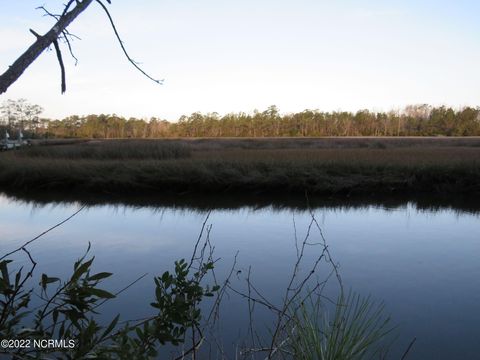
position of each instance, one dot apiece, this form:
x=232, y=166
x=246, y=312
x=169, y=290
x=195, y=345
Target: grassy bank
x=320, y=166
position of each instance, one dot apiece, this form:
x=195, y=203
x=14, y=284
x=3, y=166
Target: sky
x=230, y=56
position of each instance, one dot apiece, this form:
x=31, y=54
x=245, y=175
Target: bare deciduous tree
x=19, y=113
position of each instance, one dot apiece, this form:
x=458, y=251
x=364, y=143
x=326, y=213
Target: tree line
x=415, y=120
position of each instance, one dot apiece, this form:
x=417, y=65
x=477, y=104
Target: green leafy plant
x=69, y=308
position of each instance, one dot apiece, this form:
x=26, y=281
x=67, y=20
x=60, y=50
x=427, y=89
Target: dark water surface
x=422, y=262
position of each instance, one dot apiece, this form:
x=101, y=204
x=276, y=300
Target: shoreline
x=340, y=168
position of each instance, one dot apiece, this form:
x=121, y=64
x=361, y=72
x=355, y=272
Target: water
x=423, y=263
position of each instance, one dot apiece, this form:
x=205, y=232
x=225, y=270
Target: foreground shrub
x=354, y=331
x=68, y=310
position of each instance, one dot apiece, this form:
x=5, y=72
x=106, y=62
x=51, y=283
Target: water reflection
x=232, y=201
x=420, y=259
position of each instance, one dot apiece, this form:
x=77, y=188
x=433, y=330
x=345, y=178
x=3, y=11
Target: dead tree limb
x=62, y=66
x=42, y=43
x=59, y=31
x=120, y=41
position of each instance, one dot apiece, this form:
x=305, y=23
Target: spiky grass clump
x=355, y=331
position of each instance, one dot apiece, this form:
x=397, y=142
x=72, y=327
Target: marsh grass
x=224, y=166
x=326, y=142
x=357, y=329
x=109, y=150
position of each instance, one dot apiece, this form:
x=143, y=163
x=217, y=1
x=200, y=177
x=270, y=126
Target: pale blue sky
x=241, y=55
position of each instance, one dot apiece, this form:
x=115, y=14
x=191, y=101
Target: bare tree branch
x=59, y=31
x=133, y=62
x=43, y=233
x=42, y=43
x=62, y=66
x=65, y=33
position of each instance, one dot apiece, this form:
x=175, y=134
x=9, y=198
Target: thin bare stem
x=120, y=41
x=43, y=233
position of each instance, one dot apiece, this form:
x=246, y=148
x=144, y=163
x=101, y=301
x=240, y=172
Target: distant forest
x=415, y=120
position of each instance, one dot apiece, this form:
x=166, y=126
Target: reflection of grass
x=354, y=332
x=436, y=166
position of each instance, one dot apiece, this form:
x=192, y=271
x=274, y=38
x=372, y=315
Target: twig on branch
x=59, y=31
x=43, y=233
x=23, y=248
x=121, y=290
x=66, y=34
x=43, y=42
x=67, y=41
x=194, y=347
x=67, y=6
x=62, y=66
x=120, y=41
x=404, y=356
x=48, y=13
x=199, y=238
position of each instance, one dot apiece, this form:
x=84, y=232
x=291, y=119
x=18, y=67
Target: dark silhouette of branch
x=48, y=13
x=59, y=53
x=62, y=66
x=42, y=43
x=59, y=31
x=32, y=261
x=67, y=6
x=70, y=50
x=66, y=35
x=404, y=356
x=43, y=233
x=120, y=41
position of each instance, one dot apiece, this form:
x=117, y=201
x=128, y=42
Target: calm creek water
x=424, y=264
